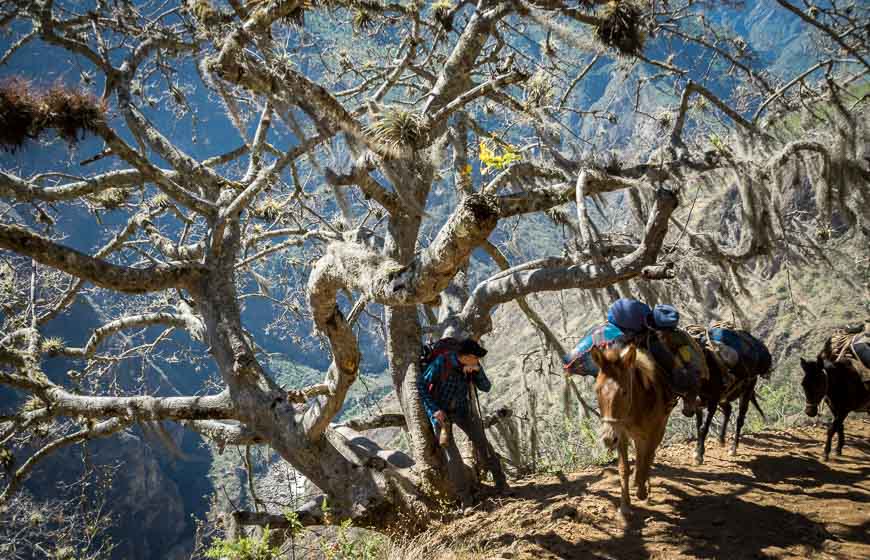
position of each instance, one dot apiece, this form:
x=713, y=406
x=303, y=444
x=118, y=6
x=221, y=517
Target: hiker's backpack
x=432, y=350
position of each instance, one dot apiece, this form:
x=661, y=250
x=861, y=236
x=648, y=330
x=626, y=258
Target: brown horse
x=635, y=403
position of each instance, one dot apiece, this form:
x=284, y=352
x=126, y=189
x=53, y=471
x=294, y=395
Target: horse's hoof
x=642, y=494
x=839, y=453
x=826, y=457
x=625, y=512
x=699, y=460
x=732, y=452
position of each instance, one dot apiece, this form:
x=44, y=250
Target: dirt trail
x=775, y=499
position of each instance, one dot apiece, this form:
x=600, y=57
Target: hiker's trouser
x=473, y=428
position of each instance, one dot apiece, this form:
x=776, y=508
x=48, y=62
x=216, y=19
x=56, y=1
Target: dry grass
x=428, y=545
x=26, y=112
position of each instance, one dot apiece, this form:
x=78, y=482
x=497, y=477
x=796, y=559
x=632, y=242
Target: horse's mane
x=647, y=367
x=643, y=362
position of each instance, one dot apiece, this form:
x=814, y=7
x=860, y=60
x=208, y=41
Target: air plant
x=109, y=199
x=538, y=89
x=362, y=20
x=269, y=209
x=441, y=12
x=398, y=130
x=159, y=200
x=620, y=26
x=53, y=346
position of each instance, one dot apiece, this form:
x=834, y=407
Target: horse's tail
x=757, y=406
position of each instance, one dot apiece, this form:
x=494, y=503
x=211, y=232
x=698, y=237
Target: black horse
x=716, y=392
x=841, y=386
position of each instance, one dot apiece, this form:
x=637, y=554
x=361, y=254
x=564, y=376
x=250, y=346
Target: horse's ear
x=628, y=357
x=597, y=356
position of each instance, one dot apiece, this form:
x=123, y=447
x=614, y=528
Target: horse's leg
x=624, y=473
x=832, y=427
x=703, y=430
x=841, y=436
x=646, y=454
x=641, y=468
x=741, y=416
x=726, y=415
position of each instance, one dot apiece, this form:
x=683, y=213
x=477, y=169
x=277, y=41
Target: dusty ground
x=775, y=499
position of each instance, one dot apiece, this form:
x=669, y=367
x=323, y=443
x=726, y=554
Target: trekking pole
x=475, y=397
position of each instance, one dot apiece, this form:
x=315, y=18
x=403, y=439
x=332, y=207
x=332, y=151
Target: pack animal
x=735, y=360
x=717, y=393
x=635, y=403
x=842, y=387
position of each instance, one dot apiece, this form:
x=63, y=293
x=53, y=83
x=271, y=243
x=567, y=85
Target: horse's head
x=613, y=387
x=815, y=384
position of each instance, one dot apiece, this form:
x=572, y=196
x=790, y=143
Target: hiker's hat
x=470, y=346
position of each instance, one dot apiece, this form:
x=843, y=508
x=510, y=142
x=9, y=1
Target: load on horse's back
x=850, y=342
x=630, y=321
x=741, y=353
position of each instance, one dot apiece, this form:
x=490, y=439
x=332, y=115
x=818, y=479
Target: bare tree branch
x=102, y=429
x=97, y=271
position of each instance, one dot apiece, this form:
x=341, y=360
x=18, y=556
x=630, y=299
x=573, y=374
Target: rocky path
x=775, y=499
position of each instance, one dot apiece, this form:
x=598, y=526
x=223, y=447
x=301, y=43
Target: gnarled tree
x=353, y=155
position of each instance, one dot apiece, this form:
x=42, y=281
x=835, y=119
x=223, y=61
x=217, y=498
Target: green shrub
x=247, y=548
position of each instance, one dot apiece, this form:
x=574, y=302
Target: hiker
x=445, y=386
x=632, y=321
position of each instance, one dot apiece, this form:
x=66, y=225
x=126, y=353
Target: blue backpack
x=579, y=361
x=635, y=316
x=755, y=358
x=626, y=319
